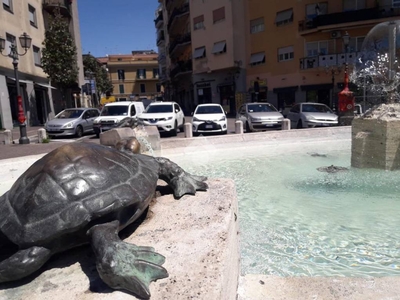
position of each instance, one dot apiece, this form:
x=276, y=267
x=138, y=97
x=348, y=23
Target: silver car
x=306, y=115
x=259, y=116
x=72, y=122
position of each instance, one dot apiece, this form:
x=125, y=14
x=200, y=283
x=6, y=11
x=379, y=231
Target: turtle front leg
x=181, y=182
x=122, y=265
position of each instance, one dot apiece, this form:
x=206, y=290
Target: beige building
x=296, y=51
x=134, y=76
x=41, y=101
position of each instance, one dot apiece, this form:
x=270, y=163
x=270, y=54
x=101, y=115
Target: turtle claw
x=188, y=184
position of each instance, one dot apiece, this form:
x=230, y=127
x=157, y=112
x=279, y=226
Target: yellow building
x=296, y=51
x=135, y=75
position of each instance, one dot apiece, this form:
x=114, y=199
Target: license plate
x=269, y=125
x=105, y=128
x=209, y=126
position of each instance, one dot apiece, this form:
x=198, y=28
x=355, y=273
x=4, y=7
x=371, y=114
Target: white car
x=209, y=118
x=258, y=116
x=309, y=115
x=167, y=116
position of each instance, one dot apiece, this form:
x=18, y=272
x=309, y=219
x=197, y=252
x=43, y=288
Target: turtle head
x=128, y=145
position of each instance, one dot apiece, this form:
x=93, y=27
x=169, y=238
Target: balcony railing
x=160, y=38
x=377, y=12
x=180, y=40
x=181, y=67
x=328, y=60
x=64, y=5
x=178, y=12
x=160, y=19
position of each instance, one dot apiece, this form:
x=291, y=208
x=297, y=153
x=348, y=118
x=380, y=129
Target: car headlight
x=255, y=119
x=96, y=121
x=222, y=119
x=170, y=118
x=309, y=118
x=195, y=119
x=68, y=125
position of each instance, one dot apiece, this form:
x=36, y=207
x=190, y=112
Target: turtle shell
x=72, y=186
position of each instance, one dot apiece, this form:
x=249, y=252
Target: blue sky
x=117, y=26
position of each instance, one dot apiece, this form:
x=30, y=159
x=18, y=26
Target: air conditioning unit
x=336, y=34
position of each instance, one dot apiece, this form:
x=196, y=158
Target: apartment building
x=40, y=100
x=161, y=33
x=134, y=76
x=296, y=51
x=218, y=51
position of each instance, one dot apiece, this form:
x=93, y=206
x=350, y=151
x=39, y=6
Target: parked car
x=72, y=122
x=209, y=117
x=167, y=116
x=259, y=116
x=113, y=113
x=306, y=115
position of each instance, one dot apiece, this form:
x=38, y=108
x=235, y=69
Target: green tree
x=92, y=65
x=59, y=56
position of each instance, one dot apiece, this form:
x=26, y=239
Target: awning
x=46, y=85
x=20, y=80
x=219, y=47
x=286, y=89
x=257, y=58
x=312, y=87
x=284, y=16
x=199, y=52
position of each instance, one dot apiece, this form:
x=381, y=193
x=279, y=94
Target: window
x=257, y=58
x=10, y=40
x=158, y=88
x=156, y=73
x=396, y=3
x=349, y=5
x=7, y=5
x=317, y=48
x=121, y=89
x=219, y=47
x=219, y=15
x=355, y=44
x=199, y=52
x=316, y=9
x=143, y=88
x=121, y=74
x=37, y=56
x=32, y=15
x=198, y=22
x=284, y=17
x=257, y=25
x=285, y=53
x=141, y=73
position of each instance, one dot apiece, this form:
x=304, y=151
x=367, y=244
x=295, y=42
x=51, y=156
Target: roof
x=163, y=102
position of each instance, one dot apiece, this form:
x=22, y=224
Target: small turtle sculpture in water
x=332, y=169
x=86, y=193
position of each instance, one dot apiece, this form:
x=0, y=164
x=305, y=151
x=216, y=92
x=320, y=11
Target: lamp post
x=333, y=70
x=25, y=41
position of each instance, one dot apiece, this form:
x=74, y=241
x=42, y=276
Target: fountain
x=376, y=134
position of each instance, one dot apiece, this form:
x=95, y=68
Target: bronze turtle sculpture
x=86, y=193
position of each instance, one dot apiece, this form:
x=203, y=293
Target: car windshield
x=260, y=108
x=69, y=114
x=114, y=110
x=211, y=109
x=316, y=108
x=165, y=108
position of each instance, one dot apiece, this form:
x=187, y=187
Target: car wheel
x=182, y=126
x=299, y=124
x=98, y=135
x=79, y=131
x=174, y=131
x=248, y=127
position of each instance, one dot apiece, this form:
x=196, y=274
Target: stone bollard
x=286, y=124
x=8, y=140
x=42, y=135
x=188, y=130
x=239, y=127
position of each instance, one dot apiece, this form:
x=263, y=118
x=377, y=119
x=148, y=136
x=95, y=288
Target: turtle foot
x=125, y=266
x=188, y=184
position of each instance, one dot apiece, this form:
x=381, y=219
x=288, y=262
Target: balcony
x=64, y=5
x=182, y=67
x=375, y=13
x=328, y=60
x=160, y=38
x=177, y=13
x=180, y=41
x=160, y=20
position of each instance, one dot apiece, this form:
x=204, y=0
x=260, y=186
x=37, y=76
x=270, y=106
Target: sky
x=117, y=26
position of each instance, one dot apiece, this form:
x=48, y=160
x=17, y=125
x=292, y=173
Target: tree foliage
x=59, y=55
x=92, y=65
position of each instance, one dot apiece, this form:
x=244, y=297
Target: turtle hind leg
x=23, y=263
x=181, y=182
x=122, y=265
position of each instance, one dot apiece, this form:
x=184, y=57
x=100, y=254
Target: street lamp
x=25, y=41
x=333, y=70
